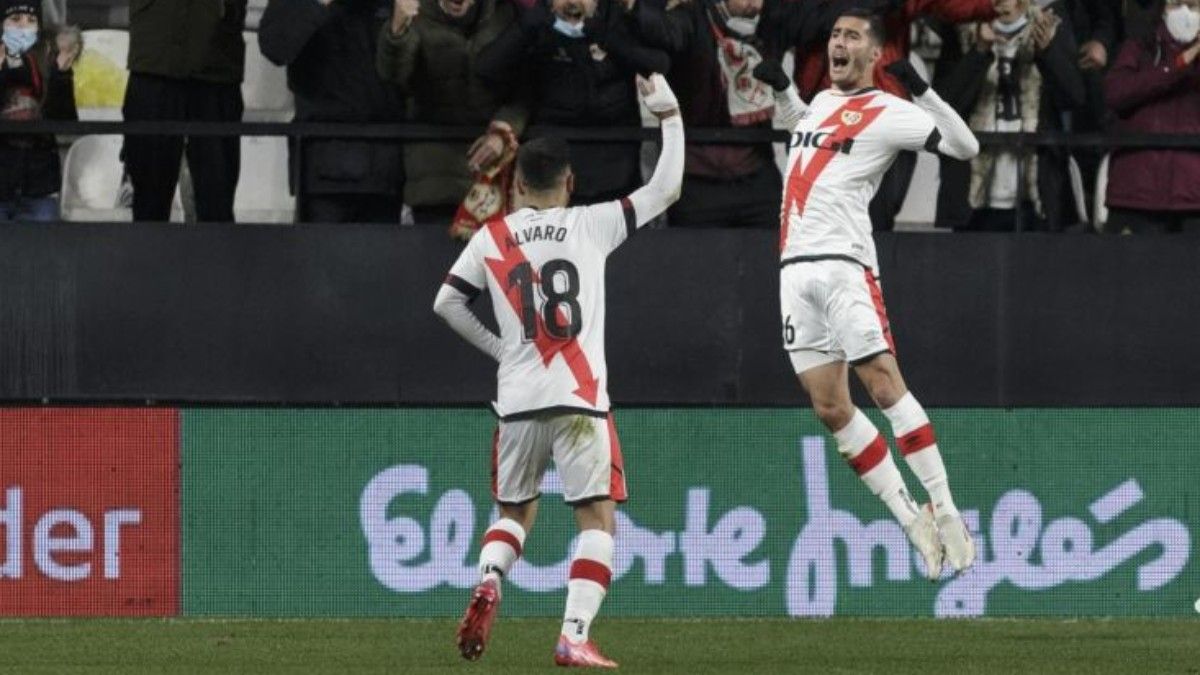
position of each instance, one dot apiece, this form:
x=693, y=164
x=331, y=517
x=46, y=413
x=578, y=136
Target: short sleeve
x=911, y=128
x=468, y=273
x=609, y=224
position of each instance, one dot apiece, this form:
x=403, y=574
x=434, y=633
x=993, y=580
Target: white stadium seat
x=264, y=88
x=91, y=187
x=262, y=193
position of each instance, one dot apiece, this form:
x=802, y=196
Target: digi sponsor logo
x=89, y=512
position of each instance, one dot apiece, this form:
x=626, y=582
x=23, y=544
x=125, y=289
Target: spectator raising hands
x=430, y=49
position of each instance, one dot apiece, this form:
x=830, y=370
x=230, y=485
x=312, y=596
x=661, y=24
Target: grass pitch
x=891, y=647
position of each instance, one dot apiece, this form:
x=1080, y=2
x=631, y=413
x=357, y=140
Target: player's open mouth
x=839, y=61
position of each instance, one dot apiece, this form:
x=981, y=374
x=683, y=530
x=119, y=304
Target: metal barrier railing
x=300, y=131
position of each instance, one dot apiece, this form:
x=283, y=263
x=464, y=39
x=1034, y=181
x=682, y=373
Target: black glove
x=903, y=70
x=771, y=72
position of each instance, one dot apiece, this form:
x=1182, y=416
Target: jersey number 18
x=553, y=318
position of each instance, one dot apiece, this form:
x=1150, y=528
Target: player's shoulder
x=895, y=103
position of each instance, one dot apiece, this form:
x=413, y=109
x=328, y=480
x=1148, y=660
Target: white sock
x=915, y=439
x=591, y=571
x=502, y=544
x=867, y=453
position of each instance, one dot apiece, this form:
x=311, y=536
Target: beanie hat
x=10, y=7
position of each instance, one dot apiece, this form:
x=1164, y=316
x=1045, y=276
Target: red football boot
x=476, y=623
x=582, y=655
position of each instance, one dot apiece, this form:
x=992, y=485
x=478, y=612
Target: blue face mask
x=19, y=40
x=569, y=29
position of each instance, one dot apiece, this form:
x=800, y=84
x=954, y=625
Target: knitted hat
x=10, y=7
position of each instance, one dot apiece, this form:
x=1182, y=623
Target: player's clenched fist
x=657, y=96
x=403, y=14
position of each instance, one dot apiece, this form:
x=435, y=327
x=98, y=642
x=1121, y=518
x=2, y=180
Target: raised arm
x=952, y=137
x=788, y=106
x=663, y=189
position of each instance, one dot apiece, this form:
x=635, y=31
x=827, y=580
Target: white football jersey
x=837, y=156
x=545, y=272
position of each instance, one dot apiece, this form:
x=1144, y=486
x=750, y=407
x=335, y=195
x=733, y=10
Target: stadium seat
x=264, y=89
x=101, y=75
x=91, y=187
x=262, y=193
x=1100, y=209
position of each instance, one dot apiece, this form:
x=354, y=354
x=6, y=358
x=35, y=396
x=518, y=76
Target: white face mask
x=1183, y=23
x=741, y=25
x=571, y=30
x=1009, y=28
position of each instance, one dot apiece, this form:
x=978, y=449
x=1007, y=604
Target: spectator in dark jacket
x=430, y=49
x=579, y=61
x=36, y=83
x=186, y=62
x=329, y=49
x=1019, y=74
x=714, y=46
x=1154, y=87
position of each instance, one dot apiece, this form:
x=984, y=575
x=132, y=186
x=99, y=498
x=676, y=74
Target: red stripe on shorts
x=616, y=484
x=495, y=462
x=870, y=457
x=880, y=309
x=916, y=440
x=503, y=536
x=592, y=571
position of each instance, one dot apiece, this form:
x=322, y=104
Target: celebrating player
x=830, y=302
x=544, y=267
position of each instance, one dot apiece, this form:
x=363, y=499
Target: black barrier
x=341, y=315
x=427, y=132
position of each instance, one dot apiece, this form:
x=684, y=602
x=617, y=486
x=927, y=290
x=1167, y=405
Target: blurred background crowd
x=504, y=69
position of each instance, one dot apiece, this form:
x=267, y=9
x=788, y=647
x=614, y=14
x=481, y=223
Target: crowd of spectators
x=506, y=68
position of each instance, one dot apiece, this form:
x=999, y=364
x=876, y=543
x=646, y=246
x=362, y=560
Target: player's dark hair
x=874, y=21
x=543, y=161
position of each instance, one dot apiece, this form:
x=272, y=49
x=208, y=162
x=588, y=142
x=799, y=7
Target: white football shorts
x=832, y=310
x=585, y=450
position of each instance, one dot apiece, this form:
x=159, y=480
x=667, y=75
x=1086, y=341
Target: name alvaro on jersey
x=536, y=233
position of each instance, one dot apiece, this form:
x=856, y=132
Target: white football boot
x=960, y=547
x=923, y=533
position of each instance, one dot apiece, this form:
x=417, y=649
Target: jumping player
x=544, y=267
x=830, y=301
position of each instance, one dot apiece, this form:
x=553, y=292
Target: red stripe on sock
x=870, y=457
x=916, y=440
x=503, y=536
x=592, y=571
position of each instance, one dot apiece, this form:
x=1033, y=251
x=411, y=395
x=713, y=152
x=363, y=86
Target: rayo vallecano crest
x=851, y=117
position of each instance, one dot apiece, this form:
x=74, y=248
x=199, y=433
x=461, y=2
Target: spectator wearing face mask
x=579, y=60
x=37, y=83
x=430, y=48
x=1019, y=73
x=1154, y=87
x=329, y=49
x=186, y=63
